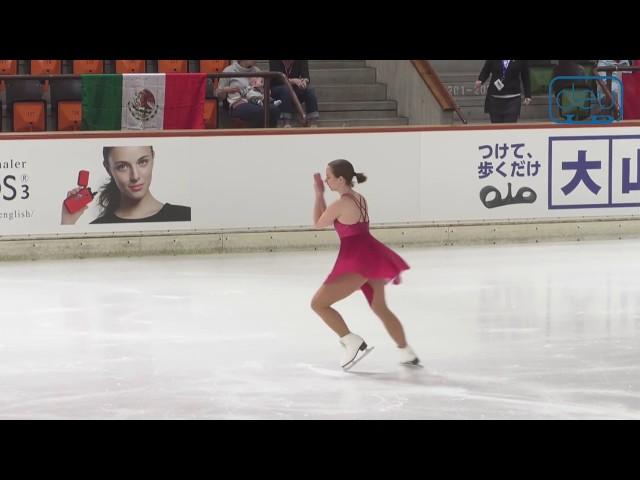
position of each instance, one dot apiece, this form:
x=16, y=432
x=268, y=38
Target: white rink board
x=265, y=181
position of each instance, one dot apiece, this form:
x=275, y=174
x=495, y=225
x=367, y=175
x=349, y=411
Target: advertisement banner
x=163, y=183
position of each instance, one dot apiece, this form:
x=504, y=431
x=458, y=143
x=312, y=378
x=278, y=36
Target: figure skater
x=363, y=263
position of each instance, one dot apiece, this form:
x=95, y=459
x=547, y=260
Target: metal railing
x=432, y=80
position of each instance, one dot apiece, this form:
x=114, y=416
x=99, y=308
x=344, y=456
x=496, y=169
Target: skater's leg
x=368, y=292
x=332, y=292
x=391, y=323
x=380, y=308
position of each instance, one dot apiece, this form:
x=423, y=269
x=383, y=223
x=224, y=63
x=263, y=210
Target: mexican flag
x=152, y=101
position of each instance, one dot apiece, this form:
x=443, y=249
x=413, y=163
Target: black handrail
x=432, y=80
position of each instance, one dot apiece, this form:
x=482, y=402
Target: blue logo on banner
x=577, y=104
x=601, y=171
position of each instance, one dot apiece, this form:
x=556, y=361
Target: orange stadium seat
x=88, y=66
x=25, y=106
x=172, y=66
x=46, y=67
x=131, y=66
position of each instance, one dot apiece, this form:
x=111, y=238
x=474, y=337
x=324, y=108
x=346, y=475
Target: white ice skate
x=355, y=350
x=408, y=357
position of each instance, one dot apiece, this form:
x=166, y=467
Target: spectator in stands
x=577, y=98
x=236, y=89
x=126, y=197
x=255, y=93
x=615, y=87
x=297, y=71
x=569, y=68
x=504, y=93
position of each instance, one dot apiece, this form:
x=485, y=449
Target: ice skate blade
x=413, y=364
x=348, y=366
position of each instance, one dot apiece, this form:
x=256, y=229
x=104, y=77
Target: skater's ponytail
x=344, y=168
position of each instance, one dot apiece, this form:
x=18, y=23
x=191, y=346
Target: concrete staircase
x=459, y=77
x=348, y=95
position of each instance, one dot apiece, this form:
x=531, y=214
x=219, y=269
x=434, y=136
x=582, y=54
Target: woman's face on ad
x=132, y=168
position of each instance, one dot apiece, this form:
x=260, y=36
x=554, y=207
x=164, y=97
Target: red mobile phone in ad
x=83, y=197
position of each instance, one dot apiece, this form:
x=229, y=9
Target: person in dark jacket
x=504, y=93
x=297, y=71
x=568, y=68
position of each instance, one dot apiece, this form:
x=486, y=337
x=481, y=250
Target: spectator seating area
x=37, y=105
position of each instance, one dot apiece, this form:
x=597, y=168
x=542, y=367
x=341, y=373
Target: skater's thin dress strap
x=362, y=206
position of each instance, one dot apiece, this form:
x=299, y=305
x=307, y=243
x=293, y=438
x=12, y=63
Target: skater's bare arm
x=319, y=206
x=328, y=215
x=322, y=216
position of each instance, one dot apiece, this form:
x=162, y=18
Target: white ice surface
x=544, y=331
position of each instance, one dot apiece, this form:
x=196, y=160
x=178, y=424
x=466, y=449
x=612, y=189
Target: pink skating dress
x=361, y=253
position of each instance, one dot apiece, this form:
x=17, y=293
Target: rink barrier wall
x=132, y=244
x=441, y=186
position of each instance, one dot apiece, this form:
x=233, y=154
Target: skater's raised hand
x=318, y=183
